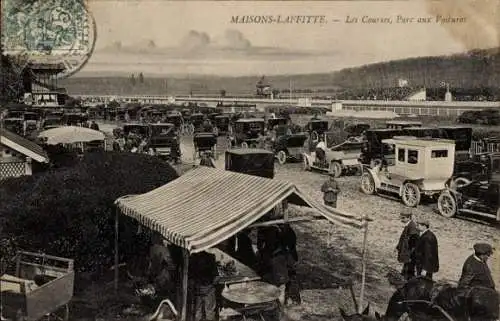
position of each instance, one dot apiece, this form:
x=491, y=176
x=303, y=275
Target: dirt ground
x=330, y=254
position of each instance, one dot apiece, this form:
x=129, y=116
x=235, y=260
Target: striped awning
x=206, y=206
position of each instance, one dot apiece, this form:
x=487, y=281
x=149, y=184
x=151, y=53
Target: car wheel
x=410, y=195
x=244, y=145
x=314, y=136
x=305, y=164
x=447, y=205
x=335, y=168
x=367, y=183
x=281, y=157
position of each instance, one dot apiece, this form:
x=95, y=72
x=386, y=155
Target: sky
x=159, y=37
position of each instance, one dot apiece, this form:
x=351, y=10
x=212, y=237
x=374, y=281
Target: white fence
x=479, y=147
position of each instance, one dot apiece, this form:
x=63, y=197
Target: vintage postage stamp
x=49, y=31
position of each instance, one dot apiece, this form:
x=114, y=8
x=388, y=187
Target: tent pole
x=185, y=268
x=117, y=260
x=284, y=206
x=363, y=273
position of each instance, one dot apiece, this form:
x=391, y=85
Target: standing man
x=426, y=251
x=406, y=245
x=475, y=271
x=330, y=191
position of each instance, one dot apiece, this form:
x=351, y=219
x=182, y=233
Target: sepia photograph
x=168, y=160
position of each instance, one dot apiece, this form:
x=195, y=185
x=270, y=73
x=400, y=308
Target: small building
x=19, y=155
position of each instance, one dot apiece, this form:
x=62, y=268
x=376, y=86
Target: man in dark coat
x=475, y=271
x=330, y=191
x=94, y=125
x=406, y=245
x=426, y=251
x=289, y=241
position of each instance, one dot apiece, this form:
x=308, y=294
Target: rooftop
x=420, y=142
x=23, y=146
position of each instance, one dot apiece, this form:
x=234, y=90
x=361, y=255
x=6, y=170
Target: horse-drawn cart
x=42, y=286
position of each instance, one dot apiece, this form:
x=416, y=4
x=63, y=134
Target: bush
x=70, y=211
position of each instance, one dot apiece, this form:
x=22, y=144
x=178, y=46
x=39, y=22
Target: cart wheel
x=410, y=194
x=61, y=314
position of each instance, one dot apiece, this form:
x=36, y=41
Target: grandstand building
x=42, y=89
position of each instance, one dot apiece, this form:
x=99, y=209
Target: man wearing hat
x=426, y=250
x=475, y=271
x=406, y=245
x=330, y=191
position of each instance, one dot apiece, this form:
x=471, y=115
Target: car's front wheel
x=281, y=155
x=335, y=169
x=410, y=195
x=447, y=205
x=367, y=183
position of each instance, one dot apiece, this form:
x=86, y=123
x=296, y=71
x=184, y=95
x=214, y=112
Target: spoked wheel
x=281, y=157
x=367, y=183
x=61, y=314
x=314, y=136
x=447, y=205
x=335, y=168
x=411, y=195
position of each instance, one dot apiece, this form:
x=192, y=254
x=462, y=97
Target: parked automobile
x=287, y=145
x=222, y=124
x=246, y=131
x=164, y=141
x=204, y=142
x=480, y=197
x=52, y=121
x=176, y=119
x=373, y=148
x=339, y=159
x=15, y=125
x=196, y=120
x=140, y=130
x=251, y=161
x=271, y=122
x=422, y=167
x=316, y=129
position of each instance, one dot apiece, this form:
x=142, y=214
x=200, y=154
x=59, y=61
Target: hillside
x=478, y=68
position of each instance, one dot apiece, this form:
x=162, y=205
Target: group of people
x=417, y=249
x=274, y=259
x=130, y=143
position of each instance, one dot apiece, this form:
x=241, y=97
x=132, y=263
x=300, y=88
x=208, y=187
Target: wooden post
x=363, y=273
x=117, y=259
x=185, y=269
